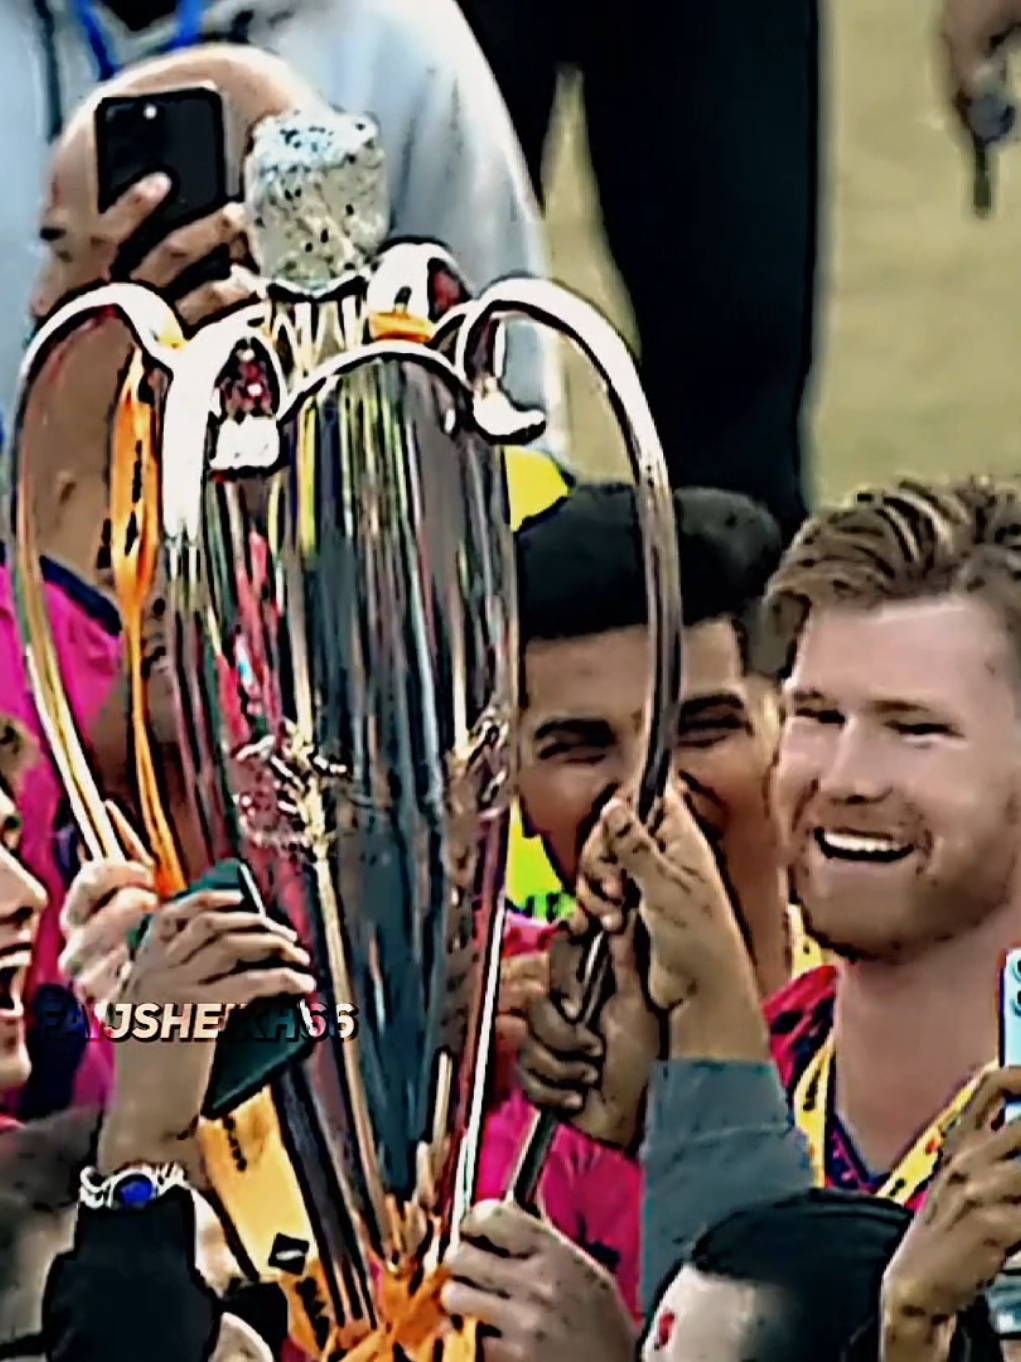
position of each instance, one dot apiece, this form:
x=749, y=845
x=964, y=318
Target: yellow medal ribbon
x=813, y=1105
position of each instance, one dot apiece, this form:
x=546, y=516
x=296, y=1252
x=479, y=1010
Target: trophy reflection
x=323, y=492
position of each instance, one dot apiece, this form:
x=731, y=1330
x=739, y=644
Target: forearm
x=910, y=1335
x=719, y=1137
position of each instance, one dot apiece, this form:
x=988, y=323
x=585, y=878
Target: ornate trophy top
x=317, y=199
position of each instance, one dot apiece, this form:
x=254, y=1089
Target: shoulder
x=396, y=55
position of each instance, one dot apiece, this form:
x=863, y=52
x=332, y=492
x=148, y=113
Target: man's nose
x=22, y=897
x=853, y=768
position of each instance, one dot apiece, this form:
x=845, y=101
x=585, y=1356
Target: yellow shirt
x=534, y=484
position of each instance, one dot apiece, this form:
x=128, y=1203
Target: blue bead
x=136, y=1190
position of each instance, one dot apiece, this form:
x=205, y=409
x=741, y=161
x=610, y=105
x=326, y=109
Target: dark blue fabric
x=58, y=1032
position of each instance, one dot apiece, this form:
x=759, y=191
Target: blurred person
x=703, y=129
x=452, y=158
x=798, y=1280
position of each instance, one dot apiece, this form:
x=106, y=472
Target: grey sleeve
x=719, y=1137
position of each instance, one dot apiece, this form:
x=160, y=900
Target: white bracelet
x=131, y=1188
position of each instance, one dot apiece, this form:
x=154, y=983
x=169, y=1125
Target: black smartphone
x=260, y=1040
x=181, y=134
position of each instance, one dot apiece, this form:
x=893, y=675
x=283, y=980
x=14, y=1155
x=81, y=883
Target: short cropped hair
x=581, y=573
x=905, y=542
x=825, y=1253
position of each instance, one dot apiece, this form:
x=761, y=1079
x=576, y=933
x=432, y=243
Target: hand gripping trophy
x=317, y=484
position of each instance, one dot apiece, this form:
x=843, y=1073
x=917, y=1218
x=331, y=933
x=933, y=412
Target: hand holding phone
x=187, y=239
x=1010, y=1023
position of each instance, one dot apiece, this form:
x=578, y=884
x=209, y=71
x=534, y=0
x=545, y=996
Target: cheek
x=558, y=799
x=794, y=773
x=734, y=772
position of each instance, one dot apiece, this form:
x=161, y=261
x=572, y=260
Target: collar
x=99, y=608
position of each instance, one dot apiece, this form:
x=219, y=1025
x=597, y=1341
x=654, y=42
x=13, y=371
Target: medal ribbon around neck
x=813, y=1104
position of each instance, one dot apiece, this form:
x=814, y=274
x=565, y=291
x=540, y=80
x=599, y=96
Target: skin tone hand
x=523, y=980
x=699, y=974
x=969, y=1227
x=105, y=903
x=94, y=261
x=972, y=31
x=593, y=1076
x=538, y=1297
x=694, y=995
x=201, y=950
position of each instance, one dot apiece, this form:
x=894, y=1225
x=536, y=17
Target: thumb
x=631, y=845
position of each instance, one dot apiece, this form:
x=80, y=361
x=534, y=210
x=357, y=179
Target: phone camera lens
x=150, y=113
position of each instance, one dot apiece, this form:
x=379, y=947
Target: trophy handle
x=156, y=332
x=549, y=305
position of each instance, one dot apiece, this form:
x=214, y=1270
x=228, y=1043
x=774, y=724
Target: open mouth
x=13, y=967
x=868, y=849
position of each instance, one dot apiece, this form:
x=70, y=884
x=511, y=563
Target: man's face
x=898, y=783
x=22, y=900
x=582, y=735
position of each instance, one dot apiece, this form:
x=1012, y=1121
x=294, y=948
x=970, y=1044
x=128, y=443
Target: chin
x=15, y=1067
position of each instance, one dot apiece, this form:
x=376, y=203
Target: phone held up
x=1010, y=1022
x=179, y=133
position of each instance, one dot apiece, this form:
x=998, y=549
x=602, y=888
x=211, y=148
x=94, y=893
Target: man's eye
x=572, y=751
x=708, y=732
x=829, y=717
x=926, y=729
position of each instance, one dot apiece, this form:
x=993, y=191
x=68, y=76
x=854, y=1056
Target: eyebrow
x=698, y=705
x=884, y=708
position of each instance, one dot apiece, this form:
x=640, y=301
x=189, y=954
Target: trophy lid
x=317, y=200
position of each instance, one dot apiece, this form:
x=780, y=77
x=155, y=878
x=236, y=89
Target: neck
x=907, y=1035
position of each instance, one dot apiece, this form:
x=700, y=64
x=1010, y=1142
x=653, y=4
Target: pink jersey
x=86, y=637
x=592, y=1194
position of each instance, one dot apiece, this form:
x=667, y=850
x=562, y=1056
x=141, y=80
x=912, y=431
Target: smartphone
x=1010, y=1023
x=181, y=134
x=260, y=1040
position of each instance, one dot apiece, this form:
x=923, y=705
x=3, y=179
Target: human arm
x=719, y=1136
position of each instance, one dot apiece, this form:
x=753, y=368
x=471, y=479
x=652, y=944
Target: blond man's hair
x=907, y=541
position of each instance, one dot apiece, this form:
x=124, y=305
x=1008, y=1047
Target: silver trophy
x=334, y=540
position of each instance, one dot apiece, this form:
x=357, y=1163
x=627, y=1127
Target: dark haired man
x=585, y=688
x=586, y=678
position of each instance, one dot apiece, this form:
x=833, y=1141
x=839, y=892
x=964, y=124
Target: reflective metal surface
x=332, y=519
